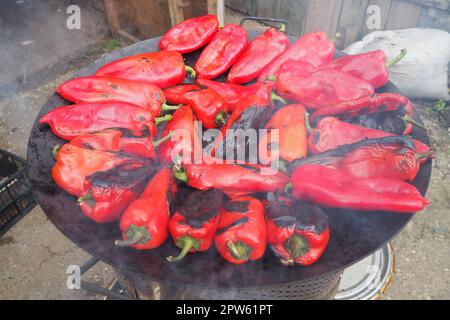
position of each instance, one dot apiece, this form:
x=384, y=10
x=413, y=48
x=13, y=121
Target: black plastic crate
x=16, y=196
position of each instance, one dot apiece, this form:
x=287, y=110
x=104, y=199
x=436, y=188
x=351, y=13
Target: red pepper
x=322, y=88
x=377, y=103
x=67, y=122
x=162, y=69
x=109, y=89
x=297, y=68
x=209, y=107
x=314, y=48
x=175, y=94
x=114, y=140
x=194, y=224
x=259, y=53
x=297, y=236
x=234, y=93
x=290, y=122
x=74, y=164
x=370, y=66
x=110, y=192
x=329, y=187
x=182, y=124
x=145, y=223
x=331, y=133
x=390, y=157
x=241, y=235
x=190, y=35
x=222, y=52
x=230, y=177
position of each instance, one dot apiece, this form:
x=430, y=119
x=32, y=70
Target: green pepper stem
x=162, y=119
x=188, y=243
x=282, y=27
x=408, y=119
x=138, y=236
x=190, y=71
x=274, y=97
x=297, y=246
x=308, y=127
x=55, y=150
x=282, y=165
x=168, y=107
x=220, y=118
x=181, y=175
x=163, y=139
x=238, y=250
x=288, y=188
x=402, y=54
x=335, y=37
x=270, y=78
x=85, y=197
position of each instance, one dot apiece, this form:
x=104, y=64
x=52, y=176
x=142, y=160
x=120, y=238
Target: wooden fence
x=349, y=17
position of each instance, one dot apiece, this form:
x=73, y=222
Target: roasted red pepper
x=297, y=68
x=67, y=122
x=292, y=143
x=389, y=112
x=193, y=226
x=109, y=192
x=230, y=177
x=259, y=53
x=314, y=48
x=241, y=235
x=186, y=138
x=235, y=93
x=370, y=66
x=74, y=164
x=175, y=94
x=390, y=157
x=331, y=133
x=329, y=187
x=145, y=223
x=162, y=69
x=297, y=235
x=222, y=52
x=115, y=140
x=190, y=35
x=109, y=89
x=322, y=88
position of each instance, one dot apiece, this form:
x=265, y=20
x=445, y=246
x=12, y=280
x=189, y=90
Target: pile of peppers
x=340, y=144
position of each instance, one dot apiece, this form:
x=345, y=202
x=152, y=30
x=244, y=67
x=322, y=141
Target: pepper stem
x=282, y=27
x=274, y=97
x=181, y=175
x=220, y=118
x=55, y=150
x=282, y=164
x=186, y=243
x=85, y=197
x=402, y=54
x=190, y=71
x=297, y=246
x=162, y=119
x=288, y=188
x=130, y=241
x=270, y=78
x=168, y=107
x=308, y=127
x=408, y=119
x=238, y=250
x=163, y=139
x=424, y=155
x=335, y=37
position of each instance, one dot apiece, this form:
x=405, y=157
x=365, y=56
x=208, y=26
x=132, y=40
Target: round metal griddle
x=354, y=235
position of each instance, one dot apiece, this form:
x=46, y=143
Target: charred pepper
x=175, y=94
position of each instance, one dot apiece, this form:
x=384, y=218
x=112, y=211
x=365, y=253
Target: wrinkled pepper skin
x=241, y=235
x=67, y=122
x=322, y=88
x=329, y=187
x=190, y=35
x=145, y=223
x=331, y=133
x=390, y=157
x=175, y=94
x=298, y=68
x=230, y=177
x=209, y=107
x=259, y=53
x=181, y=124
x=297, y=236
x=162, y=69
x=74, y=164
x=235, y=93
x=222, y=52
x=382, y=103
x=370, y=66
x=193, y=226
x=290, y=122
x=110, y=192
x=314, y=48
x=109, y=89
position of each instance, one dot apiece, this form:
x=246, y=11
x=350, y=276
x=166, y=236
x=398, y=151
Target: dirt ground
x=34, y=255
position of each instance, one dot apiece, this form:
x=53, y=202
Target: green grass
x=440, y=106
x=113, y=45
